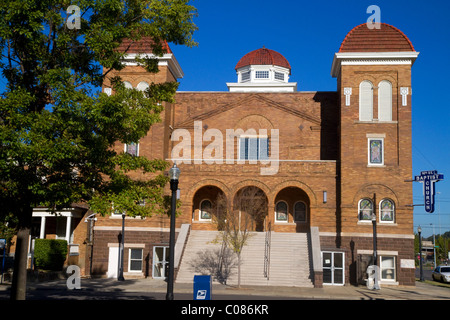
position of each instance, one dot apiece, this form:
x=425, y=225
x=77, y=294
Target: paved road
x=84, y=295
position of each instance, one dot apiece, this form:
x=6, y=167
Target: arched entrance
x=205, y=203
x=292, y=207
x=250, y=206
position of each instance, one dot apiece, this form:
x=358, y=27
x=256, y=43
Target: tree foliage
x=57, y=128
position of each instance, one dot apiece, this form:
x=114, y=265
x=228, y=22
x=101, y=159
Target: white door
x=113, y=262
x=160, y=262
x=333, y=268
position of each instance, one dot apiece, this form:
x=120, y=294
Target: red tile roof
x=263, y=56
x=385, y=39
x=142, y=46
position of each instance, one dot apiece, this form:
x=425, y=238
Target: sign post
x=429, y=178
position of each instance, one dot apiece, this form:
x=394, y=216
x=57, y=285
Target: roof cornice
x=168, y=59
x=371, y=58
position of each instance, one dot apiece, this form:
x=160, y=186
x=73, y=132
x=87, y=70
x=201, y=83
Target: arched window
x=281, y=211
x=127, y=85
x=366, y=101
x=385, y=101
x=300, y=211
x=205, y=210
x=142, y=86
x=365, y=210
x=387, y=210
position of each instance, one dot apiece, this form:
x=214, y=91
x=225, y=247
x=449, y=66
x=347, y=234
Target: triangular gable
x=246, y=100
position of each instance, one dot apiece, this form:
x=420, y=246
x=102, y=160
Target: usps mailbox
x=202, y=287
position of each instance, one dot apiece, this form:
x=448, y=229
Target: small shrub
x=50, y=254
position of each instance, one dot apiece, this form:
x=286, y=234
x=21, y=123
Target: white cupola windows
x=263, y=73
x=262, y=70
x=383, y=112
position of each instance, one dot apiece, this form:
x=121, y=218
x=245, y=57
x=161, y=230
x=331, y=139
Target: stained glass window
x=365, y=209
x=376, y=151
x=387, y=210
x=281, y=210
x=205, y=210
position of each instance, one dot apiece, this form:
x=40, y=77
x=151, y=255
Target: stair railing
x=267, y=251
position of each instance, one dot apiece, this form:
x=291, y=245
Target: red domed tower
x=373, y=68
x=263, y=70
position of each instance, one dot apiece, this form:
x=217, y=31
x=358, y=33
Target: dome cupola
x=263, y=70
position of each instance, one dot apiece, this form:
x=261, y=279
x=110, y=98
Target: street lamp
x=374, y=227
x=434, y=246
x=174, y=174
x=419, y=230
x=120, y=275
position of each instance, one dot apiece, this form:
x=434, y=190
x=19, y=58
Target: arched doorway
x=250, y=206
x=292, y=207
x=206, y=204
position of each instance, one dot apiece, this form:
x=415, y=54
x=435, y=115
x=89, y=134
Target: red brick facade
x=324, y=162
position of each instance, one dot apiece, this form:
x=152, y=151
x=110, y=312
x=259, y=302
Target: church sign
x=428, y=178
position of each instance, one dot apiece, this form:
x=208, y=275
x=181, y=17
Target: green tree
x=56, y=126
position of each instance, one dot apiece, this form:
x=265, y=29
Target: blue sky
x=308, y=34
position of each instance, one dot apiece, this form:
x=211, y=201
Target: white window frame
x=371, y=138
x=276, y=212
x=332, y=268
x=141, y=260
x=359, y=211
x=142, y=86
x=306, y=212
x=258, y=148
x=279, y=76
x=246, y=76
x=125, y=149
x=370, y=101
x=393, y=211
x=128, y=85
x=385, y=111
x=394, y=269
x=262, y=72
x=200, y=212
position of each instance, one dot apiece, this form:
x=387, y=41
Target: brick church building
x=330, y=166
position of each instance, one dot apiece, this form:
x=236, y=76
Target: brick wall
x=354, y=246
x=133, y=239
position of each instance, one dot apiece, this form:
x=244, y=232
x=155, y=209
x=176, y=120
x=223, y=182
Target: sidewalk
x=422, y=291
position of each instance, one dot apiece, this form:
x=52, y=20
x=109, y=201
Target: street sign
x=429, y=178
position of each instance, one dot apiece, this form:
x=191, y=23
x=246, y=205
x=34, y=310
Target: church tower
x=373, y=69
x=135, y=76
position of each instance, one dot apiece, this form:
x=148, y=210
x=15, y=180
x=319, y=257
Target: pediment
x=245, y=101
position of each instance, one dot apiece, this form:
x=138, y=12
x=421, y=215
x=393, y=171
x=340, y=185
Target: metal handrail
x=267, y=252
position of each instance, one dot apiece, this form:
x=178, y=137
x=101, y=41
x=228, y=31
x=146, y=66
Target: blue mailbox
x=202, y=287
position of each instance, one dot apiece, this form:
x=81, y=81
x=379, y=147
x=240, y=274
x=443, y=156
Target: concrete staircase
x=289, y=259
